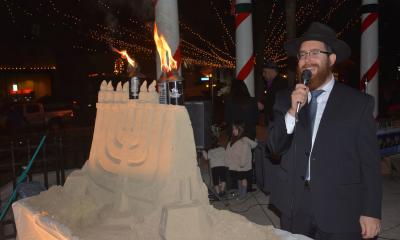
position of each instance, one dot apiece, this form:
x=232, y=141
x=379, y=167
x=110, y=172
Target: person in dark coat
x=273, y=83
x=329, y=176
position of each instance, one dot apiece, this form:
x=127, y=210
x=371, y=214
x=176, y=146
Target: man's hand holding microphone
x=300, y=94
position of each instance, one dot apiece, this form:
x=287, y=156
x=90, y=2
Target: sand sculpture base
x=141, y=182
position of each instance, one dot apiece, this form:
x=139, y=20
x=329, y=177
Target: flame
x=164, y=51
x=125, y=55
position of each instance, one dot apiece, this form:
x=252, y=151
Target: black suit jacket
x=345, y=161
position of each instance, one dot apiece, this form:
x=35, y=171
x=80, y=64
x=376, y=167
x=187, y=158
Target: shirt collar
x=327, y=87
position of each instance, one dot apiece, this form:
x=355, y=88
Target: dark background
x=76, y=36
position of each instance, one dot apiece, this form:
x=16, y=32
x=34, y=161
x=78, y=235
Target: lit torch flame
x=164, y=51
x=125, y=55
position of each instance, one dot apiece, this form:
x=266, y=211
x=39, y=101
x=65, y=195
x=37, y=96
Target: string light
x=208, y=43
x=332, y=10
x=25, y=68
x=197, y=49
x=221, y=21
x=10, y=12
x=119, y=66
x=306, y=11
x=349, y=25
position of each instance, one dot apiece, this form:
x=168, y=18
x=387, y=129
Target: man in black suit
x=329, y=175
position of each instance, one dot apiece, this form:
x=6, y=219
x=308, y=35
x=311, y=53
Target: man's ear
x=332, y=59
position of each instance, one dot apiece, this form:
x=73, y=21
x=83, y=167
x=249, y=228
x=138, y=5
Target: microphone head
x=306, y=76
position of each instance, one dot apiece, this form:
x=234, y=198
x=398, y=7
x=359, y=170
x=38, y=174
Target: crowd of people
x=324, y=135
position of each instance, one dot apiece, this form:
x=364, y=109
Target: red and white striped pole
x=166, y=15
x=369, y=64
x=244, y=44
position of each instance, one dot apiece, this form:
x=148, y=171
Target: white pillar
x=166, y=15
x=244, y=44
x=369, y=64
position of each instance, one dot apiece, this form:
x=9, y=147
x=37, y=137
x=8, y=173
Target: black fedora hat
x=320, y=32
x=271, y=65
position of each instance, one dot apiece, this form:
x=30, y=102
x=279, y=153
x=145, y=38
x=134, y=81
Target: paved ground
x=255, y=208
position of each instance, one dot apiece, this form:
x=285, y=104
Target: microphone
x=305, y=77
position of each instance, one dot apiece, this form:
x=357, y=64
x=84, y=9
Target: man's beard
x=317, y=80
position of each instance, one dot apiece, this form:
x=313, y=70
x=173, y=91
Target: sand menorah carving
x=138, y=148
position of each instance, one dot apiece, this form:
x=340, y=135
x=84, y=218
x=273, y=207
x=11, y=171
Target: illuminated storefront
x=26, y=83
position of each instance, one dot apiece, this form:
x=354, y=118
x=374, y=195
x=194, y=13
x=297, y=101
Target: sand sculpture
x=141, y=180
